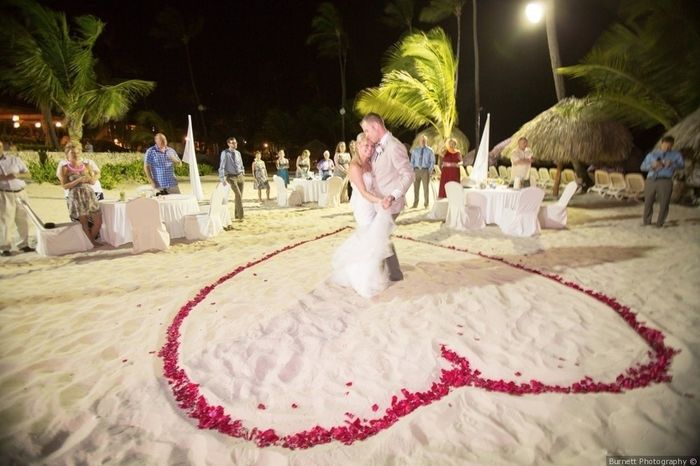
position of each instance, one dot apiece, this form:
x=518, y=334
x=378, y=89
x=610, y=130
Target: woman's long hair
x=356, y=160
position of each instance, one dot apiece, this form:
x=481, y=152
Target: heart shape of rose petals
x=459, y=374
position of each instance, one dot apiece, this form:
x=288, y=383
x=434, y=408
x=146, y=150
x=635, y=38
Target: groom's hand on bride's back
x=386, y=203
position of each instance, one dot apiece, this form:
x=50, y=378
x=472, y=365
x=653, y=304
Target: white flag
x=481, y=162
x=190, y=157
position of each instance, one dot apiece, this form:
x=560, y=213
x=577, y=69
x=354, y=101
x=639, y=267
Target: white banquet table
x=491, y=202
x=312, y=188
x=116, y=228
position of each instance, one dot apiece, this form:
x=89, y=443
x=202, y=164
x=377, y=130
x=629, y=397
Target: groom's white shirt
x=392, y=171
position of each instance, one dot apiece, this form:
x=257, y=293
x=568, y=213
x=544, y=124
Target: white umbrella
x=481, y=164
x=190, y=158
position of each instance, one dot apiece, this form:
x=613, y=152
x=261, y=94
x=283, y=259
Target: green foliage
x=112, y=175
x=418, y=86
x=634, y=66
x=44, y=172
x=184, y=169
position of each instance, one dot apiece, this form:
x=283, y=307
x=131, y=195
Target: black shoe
x=27, y=249
x=396, y=278
x=6, y=253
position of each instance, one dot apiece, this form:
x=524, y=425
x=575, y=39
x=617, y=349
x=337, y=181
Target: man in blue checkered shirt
x=158, y=165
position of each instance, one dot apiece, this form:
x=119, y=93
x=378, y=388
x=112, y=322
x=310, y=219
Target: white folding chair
x=635, y=186
x=460, y=216
x=567, y=176
x=64, y=238
x=554, y=215
x=522, y=220
x=147, y=229
x=602, y=182
x=546, y=181
x=206, y=225
x=503, y=173
x=492, y=172
x=331, y=197
x=618, y=185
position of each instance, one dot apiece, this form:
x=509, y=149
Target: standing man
x=393, y=175
x=521, y=160
x=423, y=161
x=11, y=212
x=661, y=165
x=231, y=171
x=158, y=166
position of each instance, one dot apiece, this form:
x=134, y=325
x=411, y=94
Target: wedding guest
x=159, y=168
x=451, y=160
x=282, y=165
x=660, y=164
x=77, y=178
x=521, y=160
x=304, y=165
x=423, y=161
x=232, y=171
x=260, y=176
x=12, y=169
x=326, y=166
x=96, y=187
x=342, y=165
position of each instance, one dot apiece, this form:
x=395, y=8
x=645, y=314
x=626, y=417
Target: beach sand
x=82, y=381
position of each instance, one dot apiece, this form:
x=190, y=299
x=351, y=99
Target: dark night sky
x=252, y=56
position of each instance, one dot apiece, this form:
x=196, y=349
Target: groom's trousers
x=392, y=262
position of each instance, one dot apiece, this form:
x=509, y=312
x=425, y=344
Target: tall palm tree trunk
x=477, y=91
x=553, y=45
x=51, y=139
x=200, y=108
x=341, y=63
x=459, y=41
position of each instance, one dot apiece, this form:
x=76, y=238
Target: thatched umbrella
x=571, y=131
x=494, y=154
x=687, y=136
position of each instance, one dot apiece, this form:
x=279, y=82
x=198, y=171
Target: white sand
x=81, y=381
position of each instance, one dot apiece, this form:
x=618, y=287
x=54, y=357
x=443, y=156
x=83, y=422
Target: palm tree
x=399, y=14
x=633, y=67
x=174, y=31
x=330, y=38
x=437, y=11
x=148, y=123
x=47, y=63
x=418, y=84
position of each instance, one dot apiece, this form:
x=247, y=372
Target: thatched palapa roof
x=571, y=130
x=687, y=135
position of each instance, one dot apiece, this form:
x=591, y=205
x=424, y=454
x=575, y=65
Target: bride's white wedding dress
x=359, y=262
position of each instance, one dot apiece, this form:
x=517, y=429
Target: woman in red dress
x=451, y=160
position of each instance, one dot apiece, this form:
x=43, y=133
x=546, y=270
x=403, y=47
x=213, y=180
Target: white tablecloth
x=491, y=202
x=116, y=228
x=312, y=188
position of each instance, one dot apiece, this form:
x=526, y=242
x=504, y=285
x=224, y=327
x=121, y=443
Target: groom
x=393, y=175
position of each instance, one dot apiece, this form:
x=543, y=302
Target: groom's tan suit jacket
x=392, y=171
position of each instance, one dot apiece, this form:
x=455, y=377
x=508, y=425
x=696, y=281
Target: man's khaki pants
x=12, y=213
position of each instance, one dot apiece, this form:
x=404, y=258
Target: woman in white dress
x=359, y=262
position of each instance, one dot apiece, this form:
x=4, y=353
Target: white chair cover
x=147, y=230
x=207, y=225
x=65, y=238
x=554, y=215
x=460, y=216
x=522, y=221
x=282, y=191
x=331, y=198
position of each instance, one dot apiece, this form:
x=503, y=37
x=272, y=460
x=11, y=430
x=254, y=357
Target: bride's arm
x=356, y=178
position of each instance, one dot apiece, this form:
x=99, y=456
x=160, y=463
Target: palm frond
x=107, y=103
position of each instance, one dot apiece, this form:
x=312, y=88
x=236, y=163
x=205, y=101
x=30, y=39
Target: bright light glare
x=534, y=12
x=37, y=124
x=16, y=124
x=15, y=117
x=58, y=124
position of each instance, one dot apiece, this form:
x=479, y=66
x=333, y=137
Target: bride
x=359, y=262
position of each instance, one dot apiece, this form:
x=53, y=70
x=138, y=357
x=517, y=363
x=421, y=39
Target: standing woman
x=304, y=164
x=282, y=165
x=260, y=176
x=342, y=165
x=77, y=178
x=451, y=160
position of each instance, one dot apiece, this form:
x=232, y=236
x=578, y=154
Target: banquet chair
x=461, y=216
x=635, y=186
x=554, y=215
x=283, y=192
x=147, y=229
x=207, y=225
x=331, y=197
x=602, y=182
x=522, y=220
x=64, y=238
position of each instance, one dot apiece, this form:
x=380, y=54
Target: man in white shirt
x=521, y=160
x=11, y=211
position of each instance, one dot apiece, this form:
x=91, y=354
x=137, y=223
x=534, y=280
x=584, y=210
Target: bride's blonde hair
x=356, y=160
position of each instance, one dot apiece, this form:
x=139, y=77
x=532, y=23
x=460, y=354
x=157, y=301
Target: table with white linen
x=116, y=228
x=312, y=188
x=490, y=201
